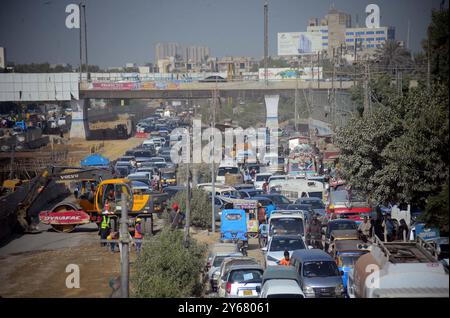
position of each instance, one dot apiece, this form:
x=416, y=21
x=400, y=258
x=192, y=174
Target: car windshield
x=246, y=276
x=314, y=204
x=262, y=178
x=224, y=170
x=168, y=176
x=218, y=260
x=280, y=199
x=290, y=226
x=255, y=193
x=320, y=269
x=315, y=195
x=291, y=244
x=343, y=226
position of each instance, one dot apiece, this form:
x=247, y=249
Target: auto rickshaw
x=250, y=208
x=233, y=228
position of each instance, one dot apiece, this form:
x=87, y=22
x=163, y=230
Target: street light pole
x=85, y=43
x=81, y=45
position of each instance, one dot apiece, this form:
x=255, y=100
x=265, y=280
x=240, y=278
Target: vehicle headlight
x=308, y=290
x=339, y=289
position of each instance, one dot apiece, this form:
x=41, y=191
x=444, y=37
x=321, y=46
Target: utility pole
x=213, y=176
x=124, y=241
x=85, y=43
x=296, y=93
x=428, y=64
x=266, y=41
x=81, y=46
x=333, y=91
x=188, y=205
x=366, y=90
x=318, y=66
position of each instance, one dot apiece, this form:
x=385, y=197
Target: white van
x=224, y=168
x=297, y=188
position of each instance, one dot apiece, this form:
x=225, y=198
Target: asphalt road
x=50, y=240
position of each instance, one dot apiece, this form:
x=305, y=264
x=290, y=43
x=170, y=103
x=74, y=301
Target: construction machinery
x=95, y=187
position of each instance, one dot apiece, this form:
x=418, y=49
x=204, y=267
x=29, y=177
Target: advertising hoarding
x=299, y=43
x=304, y=73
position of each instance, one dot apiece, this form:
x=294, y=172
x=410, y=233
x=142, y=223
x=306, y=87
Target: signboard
x=304, y=73
x=299, y=43
x=114, y=86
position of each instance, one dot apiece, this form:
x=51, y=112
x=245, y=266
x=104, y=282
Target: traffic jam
x=293, y=228
x=288, y=225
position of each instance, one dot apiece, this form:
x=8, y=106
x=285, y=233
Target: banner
x=115, y=86
x=303, y=73
x=299, y=43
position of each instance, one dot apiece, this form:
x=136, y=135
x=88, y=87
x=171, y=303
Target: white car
x=274, y=251
x=260, y=178
x=281, y=288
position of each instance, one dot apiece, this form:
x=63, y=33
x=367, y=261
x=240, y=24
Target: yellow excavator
x=85, y=206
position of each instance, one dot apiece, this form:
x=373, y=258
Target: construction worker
x=138, y=235
x=286, y=260
x=104, y=226
x=176, y=216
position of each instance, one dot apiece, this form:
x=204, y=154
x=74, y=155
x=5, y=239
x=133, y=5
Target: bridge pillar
x=80, y=127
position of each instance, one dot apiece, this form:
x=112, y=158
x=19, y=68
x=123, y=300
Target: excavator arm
x=40, y=183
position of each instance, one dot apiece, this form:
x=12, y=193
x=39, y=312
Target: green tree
x=392, y=55
x=436, y=213
x=167, y=269
x=436, y=45
x=200, y=207
x=399, y=154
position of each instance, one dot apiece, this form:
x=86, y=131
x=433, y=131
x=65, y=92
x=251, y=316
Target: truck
x=398, y=269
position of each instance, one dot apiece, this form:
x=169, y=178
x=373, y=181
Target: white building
x=2, y=58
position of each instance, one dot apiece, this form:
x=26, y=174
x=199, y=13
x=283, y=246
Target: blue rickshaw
x=233, y=227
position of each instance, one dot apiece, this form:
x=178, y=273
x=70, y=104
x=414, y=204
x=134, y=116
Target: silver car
x=319, y=274
x=243, y=281
x=214, y=262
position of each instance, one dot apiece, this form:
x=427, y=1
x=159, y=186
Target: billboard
x=304, y=73
x=299, y=43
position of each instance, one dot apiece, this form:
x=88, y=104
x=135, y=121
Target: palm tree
x=392, y=55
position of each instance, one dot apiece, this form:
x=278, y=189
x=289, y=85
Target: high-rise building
x=2, y=58
x=166, y=50
x=338, y=34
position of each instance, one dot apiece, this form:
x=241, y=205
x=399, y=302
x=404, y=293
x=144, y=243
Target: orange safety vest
x=137, y=233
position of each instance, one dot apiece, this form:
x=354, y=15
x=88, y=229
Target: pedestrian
x=176, y=216
x=364, y=229
x=138, y=235
x=313, y=232
x=269, y=210
x=261, y=214
x=403, y=231
x=112, y=237
x=285, y=261
x=265, y=187
x=104, y=227
x=388, y=227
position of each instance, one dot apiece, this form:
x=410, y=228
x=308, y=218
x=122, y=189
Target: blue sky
x=126, y=31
